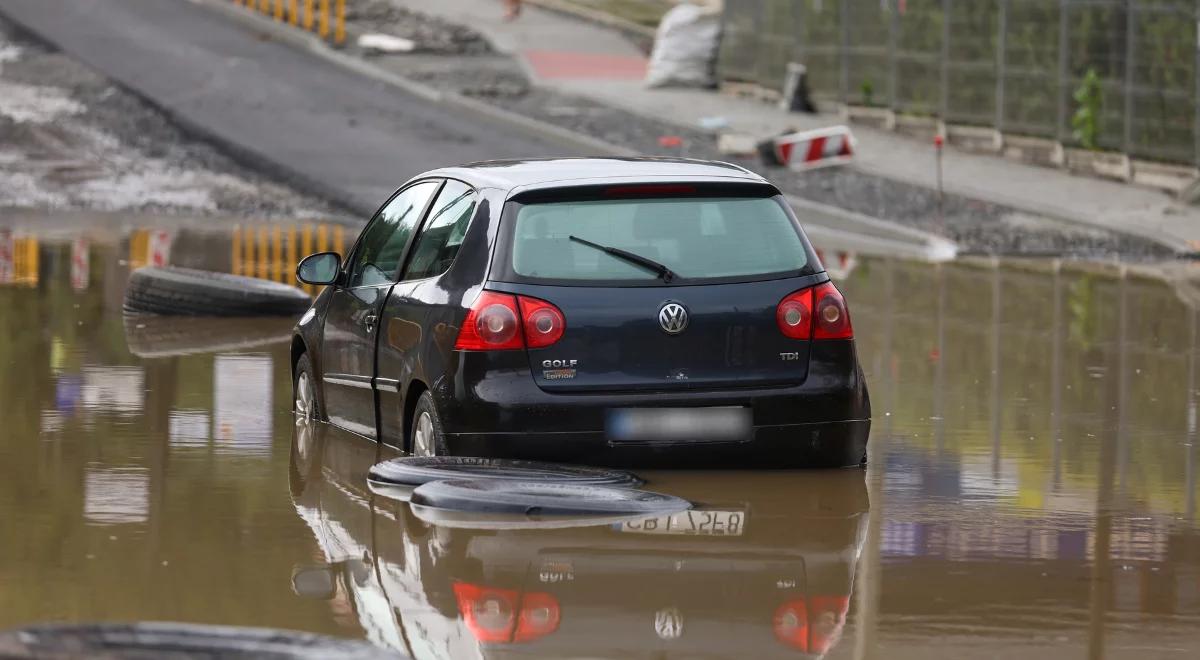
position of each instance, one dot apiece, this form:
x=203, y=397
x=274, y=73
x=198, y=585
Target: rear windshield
x=697, y=238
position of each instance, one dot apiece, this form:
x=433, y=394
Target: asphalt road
x=343, y=135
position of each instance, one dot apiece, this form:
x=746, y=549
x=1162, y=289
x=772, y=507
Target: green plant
x=1085, y=124
x=868, y=92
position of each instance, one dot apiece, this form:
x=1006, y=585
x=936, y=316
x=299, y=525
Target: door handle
x=369, y=321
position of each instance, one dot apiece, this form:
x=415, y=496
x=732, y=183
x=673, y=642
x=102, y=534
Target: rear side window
x=697, y=238
x=443, y=234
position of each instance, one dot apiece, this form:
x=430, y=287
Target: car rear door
x=409, y=314
x=348, y=348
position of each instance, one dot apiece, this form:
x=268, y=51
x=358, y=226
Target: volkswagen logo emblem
x=673, y=318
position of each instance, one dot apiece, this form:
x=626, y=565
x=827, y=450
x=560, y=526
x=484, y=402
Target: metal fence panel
x=1011, y=64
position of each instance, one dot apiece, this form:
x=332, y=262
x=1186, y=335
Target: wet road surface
x=1031, y=493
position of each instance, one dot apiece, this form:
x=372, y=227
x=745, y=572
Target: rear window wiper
x=649, y=264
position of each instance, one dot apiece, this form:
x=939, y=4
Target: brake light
x=832, y=318
x=491, y=325
x=791, y=625
x=826, y=619
x=544, y=323
x=504, y=615
x=811, y=626
x=794, y=314
x=662, y=189
x=499, y=321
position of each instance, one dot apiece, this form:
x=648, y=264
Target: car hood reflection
x=763, y=568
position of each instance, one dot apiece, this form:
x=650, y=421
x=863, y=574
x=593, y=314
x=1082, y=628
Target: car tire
x=305, y=404
x=153, y=336
x=413, y=471
x=427, y=423
x=538, y=498
x=190, y=292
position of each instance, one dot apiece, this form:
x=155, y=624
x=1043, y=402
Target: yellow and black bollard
x=339, y=31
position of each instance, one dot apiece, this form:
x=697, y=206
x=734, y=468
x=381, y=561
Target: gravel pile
x=431, y=35
x=70, y=139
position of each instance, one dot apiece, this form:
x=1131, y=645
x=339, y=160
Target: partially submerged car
x=644, y=311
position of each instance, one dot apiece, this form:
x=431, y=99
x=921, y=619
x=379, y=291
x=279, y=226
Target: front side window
x=381, y=249
x=696, y=238
x=443, y=233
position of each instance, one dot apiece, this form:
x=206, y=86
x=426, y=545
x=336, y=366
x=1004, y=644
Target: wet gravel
x=429, y=33
x=101, y=147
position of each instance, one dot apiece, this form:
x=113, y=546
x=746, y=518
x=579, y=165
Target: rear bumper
x=492, y=407
x=820, y=444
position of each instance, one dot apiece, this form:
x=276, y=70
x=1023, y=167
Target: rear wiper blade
x=663, y=271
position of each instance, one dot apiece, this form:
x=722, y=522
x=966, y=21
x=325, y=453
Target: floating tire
x=176, y=640
x=412, y=471
x=544, y=499
x=152, y=336
x=190, y=292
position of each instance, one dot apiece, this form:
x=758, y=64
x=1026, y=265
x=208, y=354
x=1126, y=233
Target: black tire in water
x=190, y=292
x=540, y=498
x=426, y=438
x=417, y=470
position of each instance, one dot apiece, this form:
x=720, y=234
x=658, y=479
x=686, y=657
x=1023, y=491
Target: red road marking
x=567, y=64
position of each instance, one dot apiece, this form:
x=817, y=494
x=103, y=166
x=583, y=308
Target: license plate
x=695, y=523
x=714, y=424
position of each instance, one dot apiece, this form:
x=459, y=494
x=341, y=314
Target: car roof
x=551, y=172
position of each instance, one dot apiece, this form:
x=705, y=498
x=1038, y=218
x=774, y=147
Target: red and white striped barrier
x=808, y=150
x=158, y=252
x=81, y=264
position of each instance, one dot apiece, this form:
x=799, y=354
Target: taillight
x=491, y=325
x=815, y=313
x=794, y=315
x=539, y=616
x=500, y=321
x=826, y=618
x=811, y=626
x=791, y=625
x=544, y=323
x=832, y=318
x=504, y=615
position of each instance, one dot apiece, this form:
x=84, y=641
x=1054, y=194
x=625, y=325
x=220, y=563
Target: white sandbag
x=685, y=48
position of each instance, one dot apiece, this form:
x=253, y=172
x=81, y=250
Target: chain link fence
x=1010, y=64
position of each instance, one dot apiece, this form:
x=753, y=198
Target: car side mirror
x=316, y=582
x=320, y=268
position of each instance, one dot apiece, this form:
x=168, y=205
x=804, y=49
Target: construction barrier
x=18, y=259
x=808, y=150
x=312, y=15
x=271, y=252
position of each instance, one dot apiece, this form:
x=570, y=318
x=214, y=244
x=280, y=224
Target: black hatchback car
x=642, y=311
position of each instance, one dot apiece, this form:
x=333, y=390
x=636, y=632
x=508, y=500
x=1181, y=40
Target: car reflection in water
x=763, y=568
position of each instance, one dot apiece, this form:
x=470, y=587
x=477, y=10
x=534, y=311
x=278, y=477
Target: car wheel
x=304, y=391
x=427, y=436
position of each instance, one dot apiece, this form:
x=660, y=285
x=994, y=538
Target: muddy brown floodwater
x=1031, y=492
